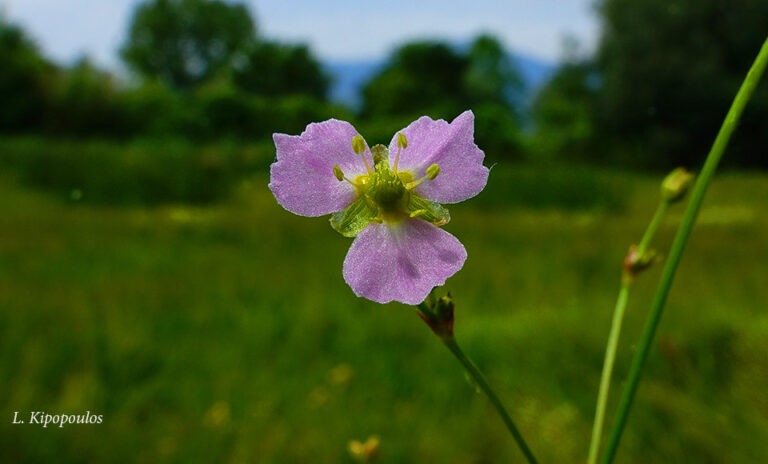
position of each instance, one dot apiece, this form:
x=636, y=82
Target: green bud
x=432, y=171
x=636, y=262
x=676, y=185
x=438, y=314
x=358, y=144
x=429, y=211
x=338, y=173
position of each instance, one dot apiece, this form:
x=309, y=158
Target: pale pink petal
x=452, y=148
x=302, y=178
x=402, y=262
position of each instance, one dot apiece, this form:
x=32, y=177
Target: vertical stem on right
x=678, y=246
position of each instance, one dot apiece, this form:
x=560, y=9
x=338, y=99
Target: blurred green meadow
x=213, y=326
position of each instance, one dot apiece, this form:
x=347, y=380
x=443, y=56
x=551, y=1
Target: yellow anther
x=338, y=173
x=358, y=144
x=432, y=171
x=402, y=142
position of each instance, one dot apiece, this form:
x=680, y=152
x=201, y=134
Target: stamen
x=339, y=174
x=402, y=144
x=358, y=146
x=432, y=171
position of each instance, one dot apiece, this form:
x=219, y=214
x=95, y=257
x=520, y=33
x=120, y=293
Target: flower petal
x=302, y=178
x=452, y=148
x=402, y=262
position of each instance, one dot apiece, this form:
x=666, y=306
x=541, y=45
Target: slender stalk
x=479, y=379
x=678, y=247
x=605, y=379
x=613, y=337
x=653, y=226
x=438, y=314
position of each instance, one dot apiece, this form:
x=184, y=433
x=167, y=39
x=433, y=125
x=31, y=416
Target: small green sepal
x=429, y=211
x=438, y=313
x=356, y=217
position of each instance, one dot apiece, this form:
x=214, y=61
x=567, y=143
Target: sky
x=334, y=29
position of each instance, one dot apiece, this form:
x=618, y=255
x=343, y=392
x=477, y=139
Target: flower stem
x=653, y=226
x=605, y=379
x=678, y=247
x=479, y=379
x=442, y=326
x=613, y=337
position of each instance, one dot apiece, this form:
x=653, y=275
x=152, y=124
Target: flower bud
x=676, y=185
x=636, y=262
x=438, y=314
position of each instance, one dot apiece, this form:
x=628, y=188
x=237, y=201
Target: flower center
x=387, y=190
x=385, y=194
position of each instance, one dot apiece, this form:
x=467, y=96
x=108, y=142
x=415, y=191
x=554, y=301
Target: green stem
x=678, y=246
x=613, y=337
x=605, y=380
x=479, y=379
x=653, y=226
x=438, y=314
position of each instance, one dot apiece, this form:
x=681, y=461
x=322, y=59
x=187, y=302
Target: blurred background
x=148, y=275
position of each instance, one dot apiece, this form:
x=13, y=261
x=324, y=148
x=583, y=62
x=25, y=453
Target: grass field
x=225, y=333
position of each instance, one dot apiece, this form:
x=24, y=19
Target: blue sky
x=335, y=29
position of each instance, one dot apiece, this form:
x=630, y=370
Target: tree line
x=651, y=96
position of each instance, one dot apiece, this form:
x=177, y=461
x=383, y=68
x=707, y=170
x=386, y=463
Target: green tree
x=421, y=77
x=85, y=101
x=274, y=69
x=24, y=81
x=564, y=110
x=435, y=79
x=669, y=71
x=491, y=76
x=494, y=90
x=184, y=43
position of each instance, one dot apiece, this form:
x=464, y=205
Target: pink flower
x=387, y=197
